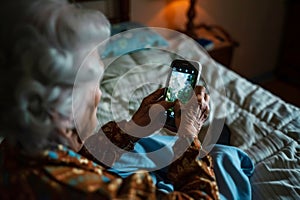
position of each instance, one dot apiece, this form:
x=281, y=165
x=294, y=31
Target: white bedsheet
x=261, y=124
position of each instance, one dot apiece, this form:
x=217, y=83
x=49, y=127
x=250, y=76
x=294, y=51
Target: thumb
x=193, y=102
x=153, y=97
x=177, y=107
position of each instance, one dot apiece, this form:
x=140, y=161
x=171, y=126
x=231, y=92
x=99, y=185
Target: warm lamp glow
x=175, y=12
x=190, y=14
x=174, y=15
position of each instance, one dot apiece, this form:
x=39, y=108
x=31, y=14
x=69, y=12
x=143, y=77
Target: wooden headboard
x=115, y=10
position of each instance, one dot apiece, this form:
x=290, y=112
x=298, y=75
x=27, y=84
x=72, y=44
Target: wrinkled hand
x=150, y=115
x=189, y=118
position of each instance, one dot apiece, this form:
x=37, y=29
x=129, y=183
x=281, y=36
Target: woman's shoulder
x=59, y=172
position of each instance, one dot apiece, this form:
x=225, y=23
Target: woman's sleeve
x=193, y=176
x=109, y=143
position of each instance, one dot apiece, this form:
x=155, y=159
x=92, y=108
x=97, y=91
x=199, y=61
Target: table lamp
x=191, y=13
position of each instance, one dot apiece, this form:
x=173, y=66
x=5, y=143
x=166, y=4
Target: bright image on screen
x=180, y=87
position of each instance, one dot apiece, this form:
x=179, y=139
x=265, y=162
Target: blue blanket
x=232, y=166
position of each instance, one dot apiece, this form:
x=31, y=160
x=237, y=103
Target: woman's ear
x=98, y=95
x=72, y=137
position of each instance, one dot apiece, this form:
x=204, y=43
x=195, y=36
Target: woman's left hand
x=189, y=118
x=150, y=115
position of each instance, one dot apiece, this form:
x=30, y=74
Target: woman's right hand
x=189, y=118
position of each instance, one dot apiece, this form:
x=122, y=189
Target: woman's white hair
x=43, y=43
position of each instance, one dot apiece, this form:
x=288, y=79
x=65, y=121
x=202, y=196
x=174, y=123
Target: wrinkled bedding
x=261, y=124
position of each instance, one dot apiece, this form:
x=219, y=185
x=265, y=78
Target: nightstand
x=223, y=45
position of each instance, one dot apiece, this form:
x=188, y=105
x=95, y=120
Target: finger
x=203, y=100
x=205, y=110
x=153, y=97
x=202, y=104
x=199, y=109
x=206, y=97
x=199, y=89
x=205, y=114
x=199, y=98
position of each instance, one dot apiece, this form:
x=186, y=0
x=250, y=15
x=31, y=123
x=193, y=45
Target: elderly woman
x=43, y=44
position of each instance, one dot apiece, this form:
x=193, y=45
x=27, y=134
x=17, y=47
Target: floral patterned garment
x=60, y=173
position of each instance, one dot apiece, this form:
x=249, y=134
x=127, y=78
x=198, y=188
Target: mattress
x=261, y=124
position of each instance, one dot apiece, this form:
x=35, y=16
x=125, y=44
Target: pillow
x=125, y=26
x=129, y=41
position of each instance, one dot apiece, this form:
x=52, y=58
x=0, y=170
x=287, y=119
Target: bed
x=261, y=124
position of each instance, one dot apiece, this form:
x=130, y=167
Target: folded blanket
x=233, y=168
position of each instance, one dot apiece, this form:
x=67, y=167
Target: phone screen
x=181, y=85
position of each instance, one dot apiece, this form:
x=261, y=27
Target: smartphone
x=182, y=79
